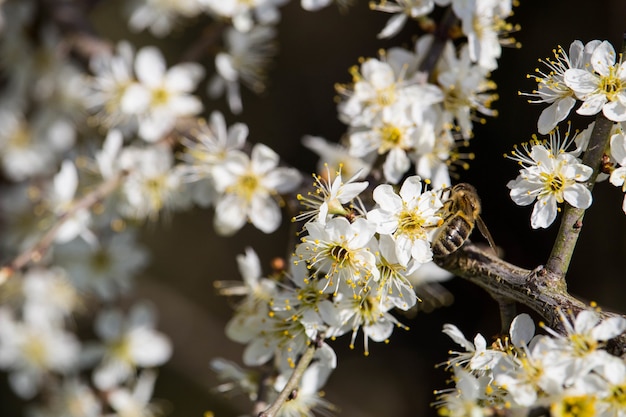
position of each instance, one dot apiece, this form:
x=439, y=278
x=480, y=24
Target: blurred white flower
x=380, y=84
x=206, y=147
x=128, y=343
x=49, y=297
x=32, y=147
x=107, y=268
x=29, y=350
x=402, y=10
x=483, y=22
x=249, y=188
x=245, y=60
x=135, y=403
x=112, y=76
x=152, y=183
x=618, y=152
x=73, y=398
x=309, y=402
x=467, y=90
x=335, y=157
x=161, y=95
x=61, y=198
x=161, y=16
x=246, y=13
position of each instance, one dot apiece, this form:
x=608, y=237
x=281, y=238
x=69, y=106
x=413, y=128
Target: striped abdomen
x=452, y=235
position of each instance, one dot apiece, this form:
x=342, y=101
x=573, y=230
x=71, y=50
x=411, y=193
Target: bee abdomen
x=452, y=236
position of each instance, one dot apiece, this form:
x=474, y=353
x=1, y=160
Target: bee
x=461, y=212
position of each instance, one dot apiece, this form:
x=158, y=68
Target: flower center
x=339, y=253
x=160, y=96
x=582, y=345
x=611, y=85
x=581, y=406
x=21, y=138
x=121, y=349
x=35, y=350
x=391, y=137
x=618, y=396
x=386, y=96
x=155, y=188
x=101, y=260
x=554, y=183
x=411, y=223
x=247, y=186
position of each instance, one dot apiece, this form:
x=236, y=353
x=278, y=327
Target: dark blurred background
x=316, y=50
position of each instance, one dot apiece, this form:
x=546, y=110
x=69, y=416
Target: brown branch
x=572, y=221
x=441, y=36
x=539, y=289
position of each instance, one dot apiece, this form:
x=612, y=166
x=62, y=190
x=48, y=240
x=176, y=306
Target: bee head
x=467, y=198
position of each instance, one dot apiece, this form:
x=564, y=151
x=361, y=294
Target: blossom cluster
x=344, y=277
x=590, y=74
x=88, y=152
x=394, y=111
x=94, y=144
x=564, y=374
x=551, y=172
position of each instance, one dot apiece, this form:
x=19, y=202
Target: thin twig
x=36, y=252
x=293, y=383
x=205, y=44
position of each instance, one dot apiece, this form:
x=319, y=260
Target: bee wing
x=485, y=232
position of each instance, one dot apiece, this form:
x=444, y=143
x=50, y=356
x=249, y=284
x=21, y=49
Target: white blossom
x=249, y=187
x=106, y=269
x=603, y=88
x=161, y=16
x=402, y=10
x=618, y=152
x=408, y=218
x=340, y=251
x=245, y=14
x=136, y=403
x=330, y=197
x=161, y=95
x=550, y=175
x=551, y=85
x=28, y=350
x=128, y=343
x=245, y=60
